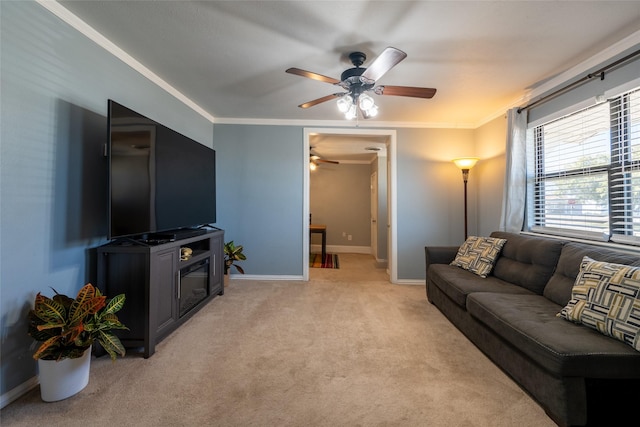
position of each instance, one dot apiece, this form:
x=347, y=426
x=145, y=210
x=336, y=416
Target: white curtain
x=515, y=182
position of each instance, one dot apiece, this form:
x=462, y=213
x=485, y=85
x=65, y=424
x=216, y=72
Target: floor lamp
x=465, y=163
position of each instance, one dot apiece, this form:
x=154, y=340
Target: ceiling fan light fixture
x=366, y=102
x=358, y=80
x=352, y=113
x=344, y=103
x=371, y=112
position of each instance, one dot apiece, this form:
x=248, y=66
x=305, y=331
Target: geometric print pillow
x=606, y=297
x=478, y=254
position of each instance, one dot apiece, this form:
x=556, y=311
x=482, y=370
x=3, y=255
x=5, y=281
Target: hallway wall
x=339, y=197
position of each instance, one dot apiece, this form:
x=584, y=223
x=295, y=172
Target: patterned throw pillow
x=606, y=297
x=478, y=254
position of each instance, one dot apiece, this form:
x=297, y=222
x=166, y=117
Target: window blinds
x=625, y=167
x=586, y=172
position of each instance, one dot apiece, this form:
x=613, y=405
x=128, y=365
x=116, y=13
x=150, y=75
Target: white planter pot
x=63, y=379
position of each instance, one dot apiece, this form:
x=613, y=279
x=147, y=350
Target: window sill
x=633, y=250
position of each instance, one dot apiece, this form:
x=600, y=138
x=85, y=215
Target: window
x=584, y=172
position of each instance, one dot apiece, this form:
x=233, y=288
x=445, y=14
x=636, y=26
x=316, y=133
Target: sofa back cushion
x=527, y=261
x=561, y=283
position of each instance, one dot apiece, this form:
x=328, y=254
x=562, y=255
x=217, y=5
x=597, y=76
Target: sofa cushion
x=478, y=254
x=457, y=283
x=561, y=283
x=527, y=261
x=529, y=323
x=606, y=297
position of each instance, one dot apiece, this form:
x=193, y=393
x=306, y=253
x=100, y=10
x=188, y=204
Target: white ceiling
x=348, y=147
x=230, y=57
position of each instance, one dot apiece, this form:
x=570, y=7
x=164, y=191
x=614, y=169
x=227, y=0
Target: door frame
x=391, y=189
x=373, y=204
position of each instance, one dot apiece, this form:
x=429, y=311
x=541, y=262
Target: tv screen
x=159, y=180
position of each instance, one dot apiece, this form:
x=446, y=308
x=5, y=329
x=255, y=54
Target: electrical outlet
x=349, y=237
x=344, y=234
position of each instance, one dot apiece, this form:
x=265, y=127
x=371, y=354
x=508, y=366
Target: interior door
x=374, y=214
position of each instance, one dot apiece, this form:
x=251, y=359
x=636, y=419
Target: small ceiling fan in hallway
x=359, y=82
x=315, y=160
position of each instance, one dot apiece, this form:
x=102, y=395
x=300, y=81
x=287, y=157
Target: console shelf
x=162, y=290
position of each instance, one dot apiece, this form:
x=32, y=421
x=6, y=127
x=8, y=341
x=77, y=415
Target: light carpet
x=344, y=349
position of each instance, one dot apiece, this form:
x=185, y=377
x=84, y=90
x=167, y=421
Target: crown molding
x=75, y=22
x=355, y=124
x=520, y=101
x=597, y=60
x=629, y=42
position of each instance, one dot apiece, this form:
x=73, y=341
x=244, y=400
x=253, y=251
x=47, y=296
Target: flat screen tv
x=159, y=180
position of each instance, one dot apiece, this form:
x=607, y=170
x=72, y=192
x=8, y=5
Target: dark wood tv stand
x=150, y=276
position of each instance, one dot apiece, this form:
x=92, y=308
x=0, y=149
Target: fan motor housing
x=352, y=72
x=357, y=59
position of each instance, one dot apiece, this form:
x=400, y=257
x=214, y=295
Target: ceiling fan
x=315, y=160
x=359, y=81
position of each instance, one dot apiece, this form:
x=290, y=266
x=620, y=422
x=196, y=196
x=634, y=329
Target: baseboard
x=18, y=392
x=410, y=282
x=382, y=263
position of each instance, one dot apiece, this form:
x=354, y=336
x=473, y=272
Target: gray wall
x=430, y=194
x=487, y=177
x=53, y=182
x=260, y=195
x=339, y=197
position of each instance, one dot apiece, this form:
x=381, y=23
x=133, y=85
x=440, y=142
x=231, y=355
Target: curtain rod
x=600, y=73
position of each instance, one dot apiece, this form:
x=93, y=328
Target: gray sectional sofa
x=578, y=375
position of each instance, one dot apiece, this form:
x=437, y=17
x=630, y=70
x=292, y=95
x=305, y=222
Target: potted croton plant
x=232, y=253
x=67, y=328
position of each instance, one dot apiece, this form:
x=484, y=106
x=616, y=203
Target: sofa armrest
x=439, y=255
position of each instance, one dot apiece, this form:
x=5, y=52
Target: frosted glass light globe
x=344, y=103
x=366, y=102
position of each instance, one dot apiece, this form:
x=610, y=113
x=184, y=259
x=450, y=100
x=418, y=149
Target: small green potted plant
x=67, y=328
x=233, y=253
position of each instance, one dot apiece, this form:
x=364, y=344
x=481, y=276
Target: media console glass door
x=193, y=286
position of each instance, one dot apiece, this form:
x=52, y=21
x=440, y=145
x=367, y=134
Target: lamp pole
x=465, y=164
x=465, y=178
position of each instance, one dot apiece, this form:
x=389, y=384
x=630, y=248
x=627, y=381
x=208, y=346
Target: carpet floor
x=344, y=349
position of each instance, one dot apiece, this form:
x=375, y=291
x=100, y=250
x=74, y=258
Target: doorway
x=391, y=206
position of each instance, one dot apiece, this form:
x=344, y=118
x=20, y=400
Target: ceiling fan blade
x=414, y=92
x=333, y=162
x=310, y=75
x=383, y=63
x=320, y=100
